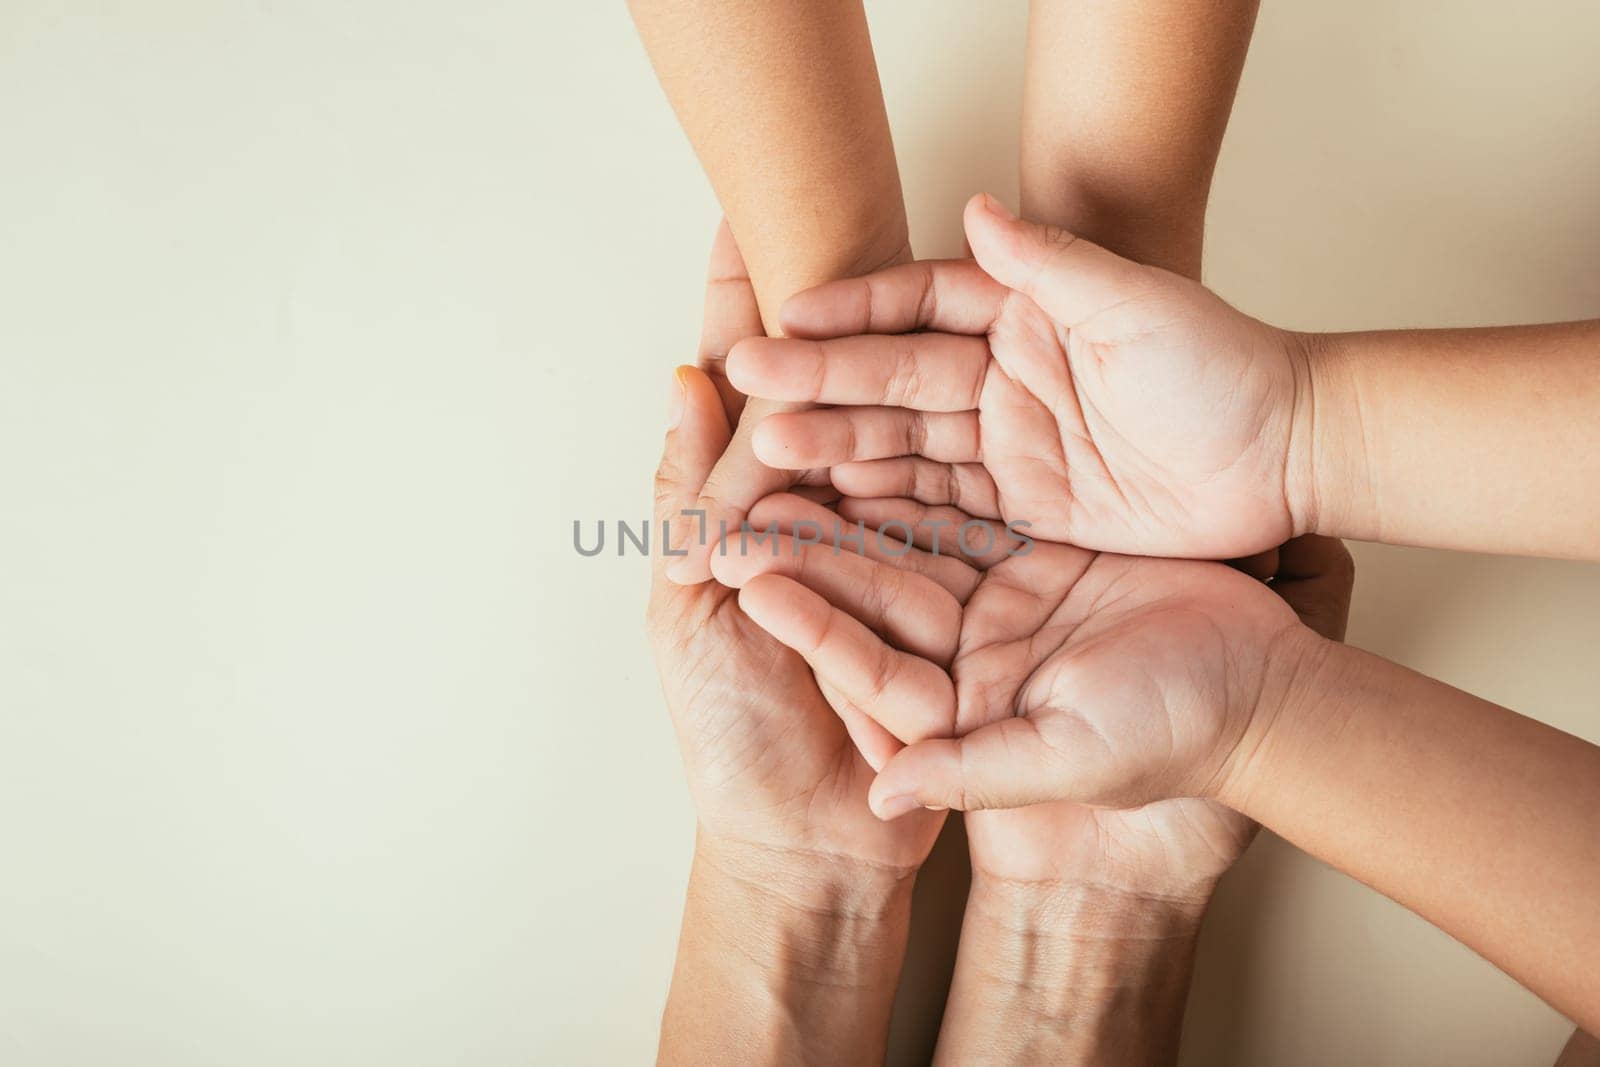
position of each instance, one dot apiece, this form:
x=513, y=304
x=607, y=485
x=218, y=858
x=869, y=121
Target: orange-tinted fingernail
x=675, y=404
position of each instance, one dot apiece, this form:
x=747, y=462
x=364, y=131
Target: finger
x=789, y=510
x=1070, y=278
x=875, y=743
x=963, y=485
x=926, y=371
x=801, y=439
x=910, y=611
x=946, y=531
x=911, y=697
x=737, y=481
x=951, y=295
x=1005, y=764
x=817, y=494
x=691, y=448
x=1316, y=576
x=731, y=315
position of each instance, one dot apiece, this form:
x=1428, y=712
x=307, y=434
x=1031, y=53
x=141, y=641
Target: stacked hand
x=1061, y=394
x=770, y=764
x=1110, y=405
x=1048, y=446
x=947, y=662
x=1112, y=681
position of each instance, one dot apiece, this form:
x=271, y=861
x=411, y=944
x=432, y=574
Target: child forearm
x=1483, y=821
x=782, y=104
x=1124, y=107
x=1484, y=440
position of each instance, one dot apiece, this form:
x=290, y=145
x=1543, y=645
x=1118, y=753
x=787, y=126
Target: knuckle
x=905, y=378
x=916, y=433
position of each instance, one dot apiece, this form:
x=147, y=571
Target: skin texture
x=1433, y=437
x=1093, y=966
x=1134, y=680
x=1123, y=113
x=1110, y=405
x=782, y=104
x=1123, y=109
x=1299, y=734
x=1080, y=930
x=1078, y=940
x=1123, y=408
x=799, y=900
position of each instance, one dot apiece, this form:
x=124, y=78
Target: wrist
x=1327, y=475
x=874, y=244
x=1087, y=927
x=787, y=956
x=799, y=885
x=1071, y=973
x=1304, y=671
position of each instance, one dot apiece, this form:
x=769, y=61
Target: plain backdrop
x=320, y=323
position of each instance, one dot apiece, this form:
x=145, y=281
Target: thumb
x=1067, y=276
x=694, y=443
x=1005, y=764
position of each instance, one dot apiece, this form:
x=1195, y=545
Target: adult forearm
x=1485, y=822
x=1069, y=974
x=1436, y=437
x=784, y=958
x=782, y=104
x=1124, y=106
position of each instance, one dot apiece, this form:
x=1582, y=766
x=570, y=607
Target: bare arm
x=1124, y=107
x=784, y=960
x=1581, y=1050
x=1123, y=114
x=1481, y=820
x=782, y=103
x=1086, y=975
x=1485, y=440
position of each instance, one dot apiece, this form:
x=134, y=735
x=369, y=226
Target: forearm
x=784, y=959
x=1076, y=974
x=1124, y=107
x=1440, y=437
x=1485, y=822
x=782, y=104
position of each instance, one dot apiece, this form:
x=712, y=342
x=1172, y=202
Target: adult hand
x=1036, y=619
x=798, y=905
x=1109, y=405
x=770, y=765
x=1082, y=925
x=1108, y=680
x=1071, y=906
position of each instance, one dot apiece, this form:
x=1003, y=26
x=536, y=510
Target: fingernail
x=894, y=807
x=680, y=386
x=997, y=209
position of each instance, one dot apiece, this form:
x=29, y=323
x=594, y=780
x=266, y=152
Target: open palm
x=1067, y=644
x=1104, y=403
x=1060, y=664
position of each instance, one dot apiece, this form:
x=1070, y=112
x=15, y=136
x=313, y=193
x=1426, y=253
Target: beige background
x=319, y=324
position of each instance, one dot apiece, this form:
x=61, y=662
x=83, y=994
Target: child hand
x=1108, y=680
x=1109, y=405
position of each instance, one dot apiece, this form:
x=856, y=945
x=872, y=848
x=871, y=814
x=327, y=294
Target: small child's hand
x=1067, y=674
x=1109, y=405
